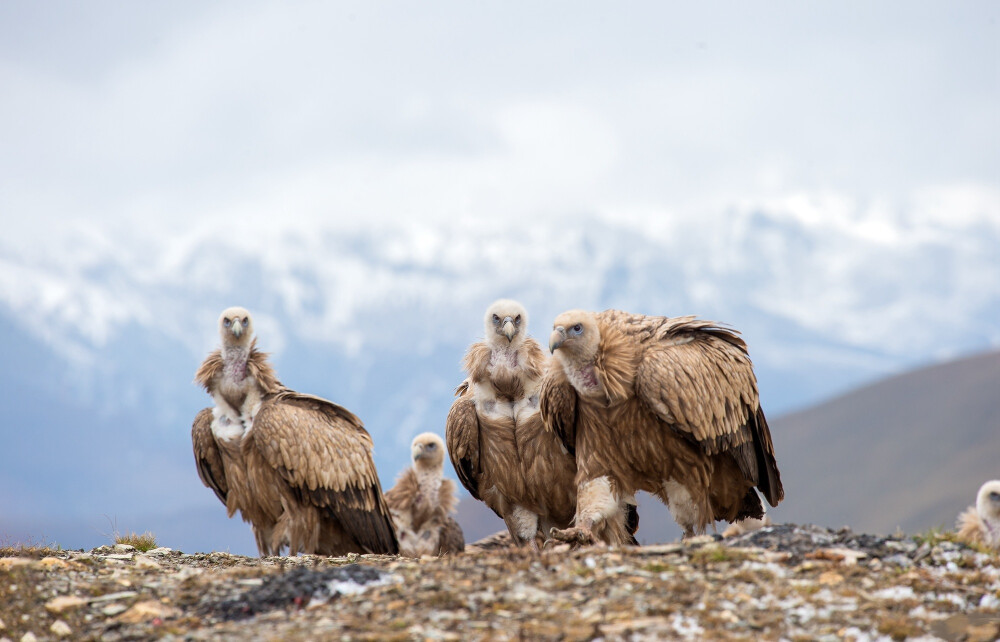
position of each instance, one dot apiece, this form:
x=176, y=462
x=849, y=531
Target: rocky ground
x=783, y=582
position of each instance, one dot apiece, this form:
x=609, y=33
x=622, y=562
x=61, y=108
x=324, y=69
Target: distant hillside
x=909, y=451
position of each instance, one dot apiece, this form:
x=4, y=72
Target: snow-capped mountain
x=102, y=329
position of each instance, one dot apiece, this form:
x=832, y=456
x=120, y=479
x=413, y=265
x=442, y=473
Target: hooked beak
x=557, y=338
x=508, y=328
x=418, y=452
x=237, y=328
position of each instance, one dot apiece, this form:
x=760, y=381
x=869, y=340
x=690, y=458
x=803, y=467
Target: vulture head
x=576, y=337
x=235, y=328
x=506, y=323
x=427, y=451
x=988, y=504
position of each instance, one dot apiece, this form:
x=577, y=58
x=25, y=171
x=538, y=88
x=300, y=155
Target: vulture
x=298, y=468
x=980, y=524
x=663, y=405
x=501, y=452
x=422, y=502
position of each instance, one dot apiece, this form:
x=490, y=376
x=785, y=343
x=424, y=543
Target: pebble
x=52, y=563
x=121, y=548
x=144, y=563
x=112, y=610
x=29, y=637
x=60, y=629
x=64, y=602
x=146, y=611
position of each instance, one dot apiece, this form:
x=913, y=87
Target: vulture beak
x=557, y=338
x=237, y=328
x=508, y=328
x=418, y=452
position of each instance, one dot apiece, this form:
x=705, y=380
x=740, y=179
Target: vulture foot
x=573, y=535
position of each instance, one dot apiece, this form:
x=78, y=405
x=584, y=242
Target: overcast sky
x=367, y=113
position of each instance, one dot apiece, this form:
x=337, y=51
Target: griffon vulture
x=422, y=502
x=980, y=524
x=497, y=443
x=297, y=467
x=664, y=405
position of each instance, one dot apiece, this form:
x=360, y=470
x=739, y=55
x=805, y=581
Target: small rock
x=29, y=637
x=119, y=556
x=2, y=625
x=64, y=602
x=52, y=562
x=144, y=563
x=10, y=562
x=146, y=611
x=160, y=550
x=123, y=548
x=830, y=578
x=60, y=629
x=110, y=597
x=112, y=610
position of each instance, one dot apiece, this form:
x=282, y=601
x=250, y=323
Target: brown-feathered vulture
x=496, y=440
x=664, y=405
x=422, y=502
x=297, y=467
x=980, y=524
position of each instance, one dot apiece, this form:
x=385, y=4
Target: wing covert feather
x=463, y=437
x=557, y=406
x=323, y=451
x=206, y=455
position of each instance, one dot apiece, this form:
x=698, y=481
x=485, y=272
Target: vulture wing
x=206, y=455
x=557, y=406
x=698, y=378
x=323, y=451
x=462, y=433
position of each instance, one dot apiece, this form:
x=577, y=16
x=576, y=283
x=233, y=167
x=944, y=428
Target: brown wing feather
x=447, y=499
x=698, y=378
x=206, y=455
x=209, y=370
x=259, y=367
x=477, y=362
x=557, y=406
x=323, y=451
x=402, y=495
x=452, y=539
x=463, y=436
x=535, y=360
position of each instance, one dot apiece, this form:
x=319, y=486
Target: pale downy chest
x=237, y=393
x=426, y=502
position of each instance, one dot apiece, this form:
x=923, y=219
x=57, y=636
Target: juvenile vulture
x=497, y=443
x=980, y=524
x=664, y=405
x=297, y=467
x=422, y=502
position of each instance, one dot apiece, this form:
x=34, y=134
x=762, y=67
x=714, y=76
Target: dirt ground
x=784, y=582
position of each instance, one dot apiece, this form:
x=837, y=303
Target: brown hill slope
x=909, y=451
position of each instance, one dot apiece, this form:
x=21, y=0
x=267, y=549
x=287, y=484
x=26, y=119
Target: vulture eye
x=431, y=446
x=496, y=319
x=995, y=496
x=227, y=322
x=246, y=321
x=577, y=329
x=517, y=320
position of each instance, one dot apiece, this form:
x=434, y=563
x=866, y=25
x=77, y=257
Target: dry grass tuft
x=142, y=543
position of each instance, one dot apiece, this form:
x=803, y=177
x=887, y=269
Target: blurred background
x=367, y=177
